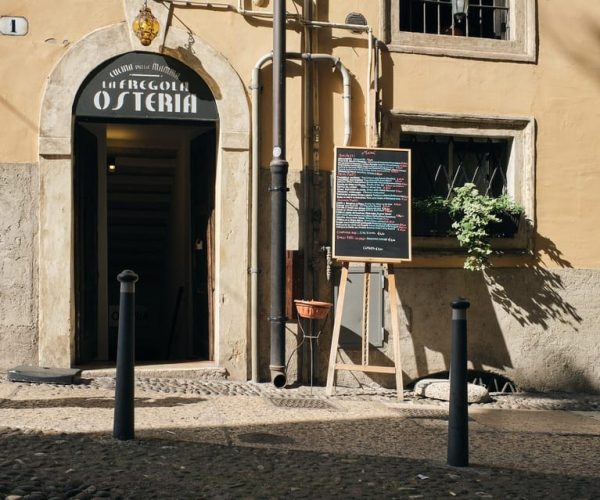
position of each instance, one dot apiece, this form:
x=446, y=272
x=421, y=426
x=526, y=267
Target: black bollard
x=458, y=423
x=124, y=392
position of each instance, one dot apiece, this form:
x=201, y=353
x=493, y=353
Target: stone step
x=192, y=371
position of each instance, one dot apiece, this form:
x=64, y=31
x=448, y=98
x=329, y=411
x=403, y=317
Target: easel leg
x=366, y=314
x=393, y=293
x=335, y=339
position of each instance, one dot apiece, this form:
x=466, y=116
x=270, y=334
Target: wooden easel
x=365, y=366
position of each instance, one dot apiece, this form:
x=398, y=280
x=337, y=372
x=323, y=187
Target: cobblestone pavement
x=216, y=439
x=515, y=401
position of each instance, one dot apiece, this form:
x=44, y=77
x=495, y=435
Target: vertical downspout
x=308, y=291
x=278, y=189
x=255, y=87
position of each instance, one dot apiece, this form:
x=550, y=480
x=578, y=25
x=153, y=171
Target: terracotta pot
x=312, y=309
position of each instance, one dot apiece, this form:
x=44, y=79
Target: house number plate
x=15, y=26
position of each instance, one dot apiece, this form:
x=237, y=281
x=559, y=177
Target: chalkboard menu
x=372, y=205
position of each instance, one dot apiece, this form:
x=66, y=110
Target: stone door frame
x=56, y=219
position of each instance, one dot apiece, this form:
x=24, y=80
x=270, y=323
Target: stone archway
x=56, y=255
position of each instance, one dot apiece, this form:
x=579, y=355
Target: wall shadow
x=532, y=294
x=426, y=295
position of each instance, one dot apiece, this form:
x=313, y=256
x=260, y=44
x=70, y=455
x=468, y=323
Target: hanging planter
x=506, y=228
x=474, y=219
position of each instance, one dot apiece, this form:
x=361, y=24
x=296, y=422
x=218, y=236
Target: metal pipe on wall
x=308, y=291
x=278, y=189
x=369, y=132
x=255, y=87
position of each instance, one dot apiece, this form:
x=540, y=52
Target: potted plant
x=509, y=214
x=431, y=216
x=476, y=218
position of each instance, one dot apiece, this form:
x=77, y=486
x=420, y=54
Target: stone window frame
x=520, y=171
x=521, y=47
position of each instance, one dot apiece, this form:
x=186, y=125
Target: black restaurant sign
x=372, y=205
x=144, y=85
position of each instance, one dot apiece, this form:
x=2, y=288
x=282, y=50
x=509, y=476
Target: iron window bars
x=444, y=162
x=485, y=18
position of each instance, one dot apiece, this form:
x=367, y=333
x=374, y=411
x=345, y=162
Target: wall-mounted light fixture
x=145, y=25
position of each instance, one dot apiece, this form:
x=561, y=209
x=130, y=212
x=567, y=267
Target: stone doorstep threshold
x=191, y=371
x=45, y=375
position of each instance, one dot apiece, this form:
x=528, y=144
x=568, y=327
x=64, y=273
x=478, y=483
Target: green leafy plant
x=472, y=214
x=431, y=205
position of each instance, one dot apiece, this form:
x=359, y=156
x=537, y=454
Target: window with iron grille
x=441, y=163
x=502, y=30
x=449, y=150
x=484, y=19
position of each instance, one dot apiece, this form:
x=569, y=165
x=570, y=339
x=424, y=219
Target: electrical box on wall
x=352, y=317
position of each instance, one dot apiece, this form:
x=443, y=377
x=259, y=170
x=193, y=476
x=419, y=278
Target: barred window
x=501, y=30
x=485, y=18
x=444, y=162
x=495, y=153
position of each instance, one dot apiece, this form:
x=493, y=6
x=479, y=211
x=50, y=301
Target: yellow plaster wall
x=566, y=105
x=561, y=91
x=26, y=62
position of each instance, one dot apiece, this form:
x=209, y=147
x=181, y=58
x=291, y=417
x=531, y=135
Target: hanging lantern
x=145, y=25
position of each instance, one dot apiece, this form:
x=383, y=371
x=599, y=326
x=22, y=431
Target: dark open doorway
x=144, y=198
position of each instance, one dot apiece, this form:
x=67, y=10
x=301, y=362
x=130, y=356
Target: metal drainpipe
x=278, y=189
x=308, y=291
x=255, y=86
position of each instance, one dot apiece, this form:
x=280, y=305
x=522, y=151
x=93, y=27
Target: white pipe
x=255, y=87
x=347, y=89
x=255, y=169
x=342, y=26
x=347, y=98
x=240, y=9
x=369, y=77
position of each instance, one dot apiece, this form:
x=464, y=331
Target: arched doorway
x=57, y=281
x=144, y=174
